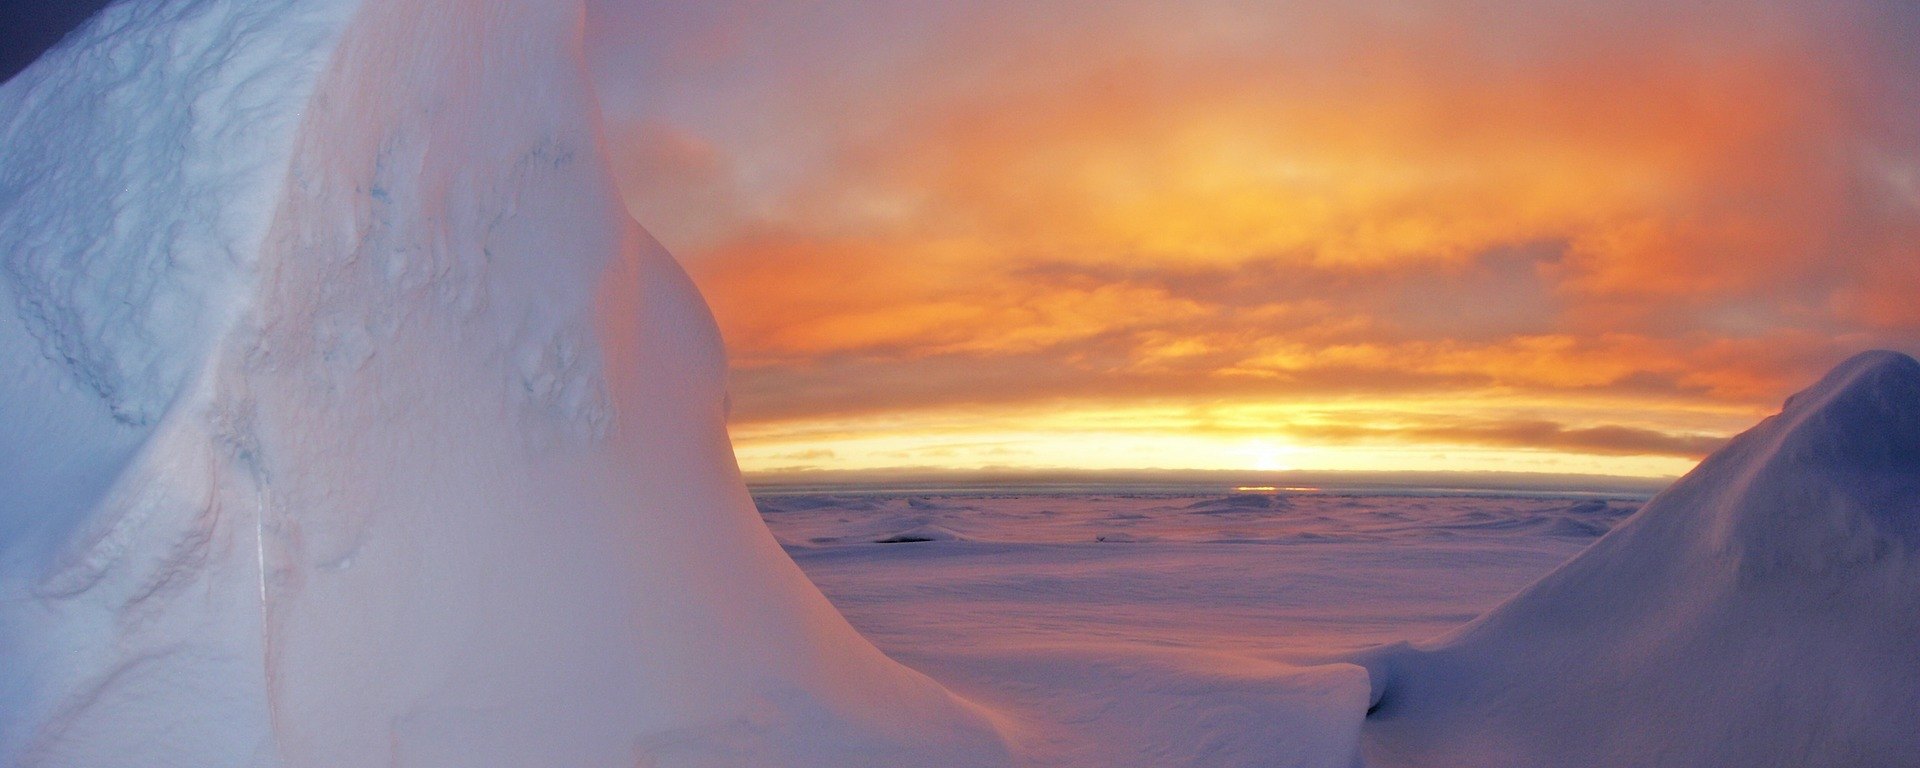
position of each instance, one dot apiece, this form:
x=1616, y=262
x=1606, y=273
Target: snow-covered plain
x=1171, y=627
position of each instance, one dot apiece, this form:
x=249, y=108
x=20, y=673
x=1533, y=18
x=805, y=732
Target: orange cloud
x=1005, y=203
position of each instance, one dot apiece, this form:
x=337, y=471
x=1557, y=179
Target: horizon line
x=907, y=479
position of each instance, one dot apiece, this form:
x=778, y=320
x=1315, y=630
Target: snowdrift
x=348, y=420
x=1763, y=611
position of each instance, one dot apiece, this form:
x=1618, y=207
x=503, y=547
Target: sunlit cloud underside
x=1435, y=234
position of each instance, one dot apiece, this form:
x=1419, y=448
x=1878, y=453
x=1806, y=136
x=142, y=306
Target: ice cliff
x=348, y=420
x=1763, y=611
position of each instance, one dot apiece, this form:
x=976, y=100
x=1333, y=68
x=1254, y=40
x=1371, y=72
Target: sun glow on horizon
x=1374, y=435
x=1270, y=457
x=1429, y=234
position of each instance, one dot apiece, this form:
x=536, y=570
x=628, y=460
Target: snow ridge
x=1835, y=487
x=1760, y=612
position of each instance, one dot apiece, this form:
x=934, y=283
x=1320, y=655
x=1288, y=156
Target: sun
x=1269, y=456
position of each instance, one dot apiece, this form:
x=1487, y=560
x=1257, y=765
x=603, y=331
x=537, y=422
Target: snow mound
x=921, y=533
x=1239, y=502
x=1763, y=611
x=783, y=504
x=349, y=420
x=1575, y=528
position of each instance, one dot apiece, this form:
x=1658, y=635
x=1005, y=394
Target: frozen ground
x=1092, y=620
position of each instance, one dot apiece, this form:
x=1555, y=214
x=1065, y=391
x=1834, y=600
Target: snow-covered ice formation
x=348, y=420
x=1763, y=611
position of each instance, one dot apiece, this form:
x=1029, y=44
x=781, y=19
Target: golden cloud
x=1114, y=204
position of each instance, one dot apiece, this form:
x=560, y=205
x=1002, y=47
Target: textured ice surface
x=142, y=165
x=349, y=421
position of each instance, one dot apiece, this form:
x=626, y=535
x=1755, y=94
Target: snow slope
x=1763, y=611
x=349, y=421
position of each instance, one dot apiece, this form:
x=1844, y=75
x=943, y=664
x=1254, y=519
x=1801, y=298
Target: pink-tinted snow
x=1171, y=628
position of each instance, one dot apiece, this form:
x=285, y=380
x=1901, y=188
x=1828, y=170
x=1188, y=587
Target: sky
x=28, y=27
x=1484, y=235
x=1477, y=235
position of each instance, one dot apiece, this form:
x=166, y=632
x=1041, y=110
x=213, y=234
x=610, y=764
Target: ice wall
x=1763, y=611
x=349, y=421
